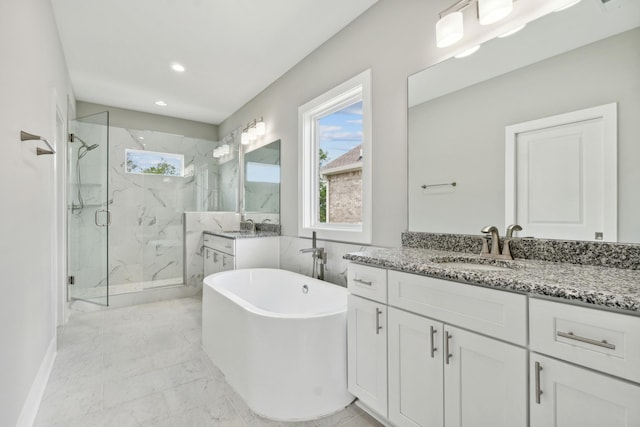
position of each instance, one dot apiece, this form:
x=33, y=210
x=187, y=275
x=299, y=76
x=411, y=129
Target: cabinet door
x=485, y=381
x=576, y=397
x=415, y=370
x=367, y=352
x=227, y=262
x=209, y=264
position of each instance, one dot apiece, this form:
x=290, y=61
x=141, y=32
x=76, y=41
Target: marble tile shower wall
x=146, y=232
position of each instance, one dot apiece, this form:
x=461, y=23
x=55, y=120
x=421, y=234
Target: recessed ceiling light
x=161, y=103
x=179, y=68
x=468, y=52
x=141, y=138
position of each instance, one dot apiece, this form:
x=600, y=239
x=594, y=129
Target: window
x=335, y=162
x=153, y=163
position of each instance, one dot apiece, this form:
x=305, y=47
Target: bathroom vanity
x=240, y=249
x=439, y=338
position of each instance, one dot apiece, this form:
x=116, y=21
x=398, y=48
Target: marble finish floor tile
x=143, y=366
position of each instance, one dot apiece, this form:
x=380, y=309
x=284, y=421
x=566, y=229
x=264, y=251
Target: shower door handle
x=108, y=217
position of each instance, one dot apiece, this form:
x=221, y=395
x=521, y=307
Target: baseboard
x=32, y=404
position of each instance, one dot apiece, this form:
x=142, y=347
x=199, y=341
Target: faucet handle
x=485, y=245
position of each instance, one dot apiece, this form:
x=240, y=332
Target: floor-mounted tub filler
x=280, y=338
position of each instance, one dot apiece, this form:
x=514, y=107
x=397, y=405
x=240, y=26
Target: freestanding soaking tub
x=280, y=338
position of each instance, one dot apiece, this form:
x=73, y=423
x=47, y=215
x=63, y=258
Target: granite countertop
x=604, y=287
x=243, y=234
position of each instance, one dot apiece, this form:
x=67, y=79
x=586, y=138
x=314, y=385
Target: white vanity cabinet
x=416, y=365
x=367, y=352
x=439, y=374
x=566, y=395
x=442, y=375
x=224, y=253
x=367, y=336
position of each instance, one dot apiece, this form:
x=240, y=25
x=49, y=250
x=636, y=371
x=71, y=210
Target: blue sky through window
x=341, y=131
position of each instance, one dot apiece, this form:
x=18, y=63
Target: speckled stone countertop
x=243, y=234
x=604, y=287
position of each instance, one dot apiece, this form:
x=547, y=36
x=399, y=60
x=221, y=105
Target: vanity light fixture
x=468, y=52
x=221, y=151
x=161, y=103
x=253, y=130
x=491, y=11
x=450, y=27
x=261, y=127
x=178, y=68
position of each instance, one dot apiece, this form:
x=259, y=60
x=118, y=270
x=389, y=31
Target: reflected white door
x=561, y=182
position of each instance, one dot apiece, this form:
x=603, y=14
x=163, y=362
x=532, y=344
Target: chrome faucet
x=319, y=257
x=495, y=244
x=253, y=224
x=511, y=229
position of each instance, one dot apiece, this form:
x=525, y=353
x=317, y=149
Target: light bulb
x=253, y=134
x=261, y=128
x=490, y=11
x=449, y=29
x=244, y=137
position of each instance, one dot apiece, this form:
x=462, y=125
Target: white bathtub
x=283, y=350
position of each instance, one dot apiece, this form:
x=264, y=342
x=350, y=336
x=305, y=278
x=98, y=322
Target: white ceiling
x=119, y=52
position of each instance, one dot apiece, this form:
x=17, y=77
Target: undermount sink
x=474, y=264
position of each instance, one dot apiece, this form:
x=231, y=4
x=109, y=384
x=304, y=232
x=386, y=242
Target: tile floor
x=144, y=366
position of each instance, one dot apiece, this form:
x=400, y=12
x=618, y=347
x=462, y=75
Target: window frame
x=356, y=89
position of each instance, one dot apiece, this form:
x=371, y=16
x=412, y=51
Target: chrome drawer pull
x=571, y=336
x=447, y=355
x=538, y=368
x=433, y=347
x=364, y=282
x=378, y=327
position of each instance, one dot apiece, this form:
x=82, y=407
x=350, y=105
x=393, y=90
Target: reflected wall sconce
x=225, y=148
x=450, y=26
x=221, y=151
x=252, y=131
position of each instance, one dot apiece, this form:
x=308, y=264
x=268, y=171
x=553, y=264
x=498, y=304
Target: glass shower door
x=88, y=217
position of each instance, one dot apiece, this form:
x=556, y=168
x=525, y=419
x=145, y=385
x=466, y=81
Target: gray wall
x=460, y=137
x=395, y=39
x=130, y=119
x=33, y=68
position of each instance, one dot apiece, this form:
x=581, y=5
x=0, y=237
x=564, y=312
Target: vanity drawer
x=601, y=340
x=491, y=312
x=219, y=243
x=367, y=282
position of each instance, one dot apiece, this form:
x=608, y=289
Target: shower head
x=86, y=147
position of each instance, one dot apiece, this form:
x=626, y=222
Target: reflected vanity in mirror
x=262, y=183
x=460, y=110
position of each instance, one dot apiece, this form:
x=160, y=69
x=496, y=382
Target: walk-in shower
x=128, y=191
